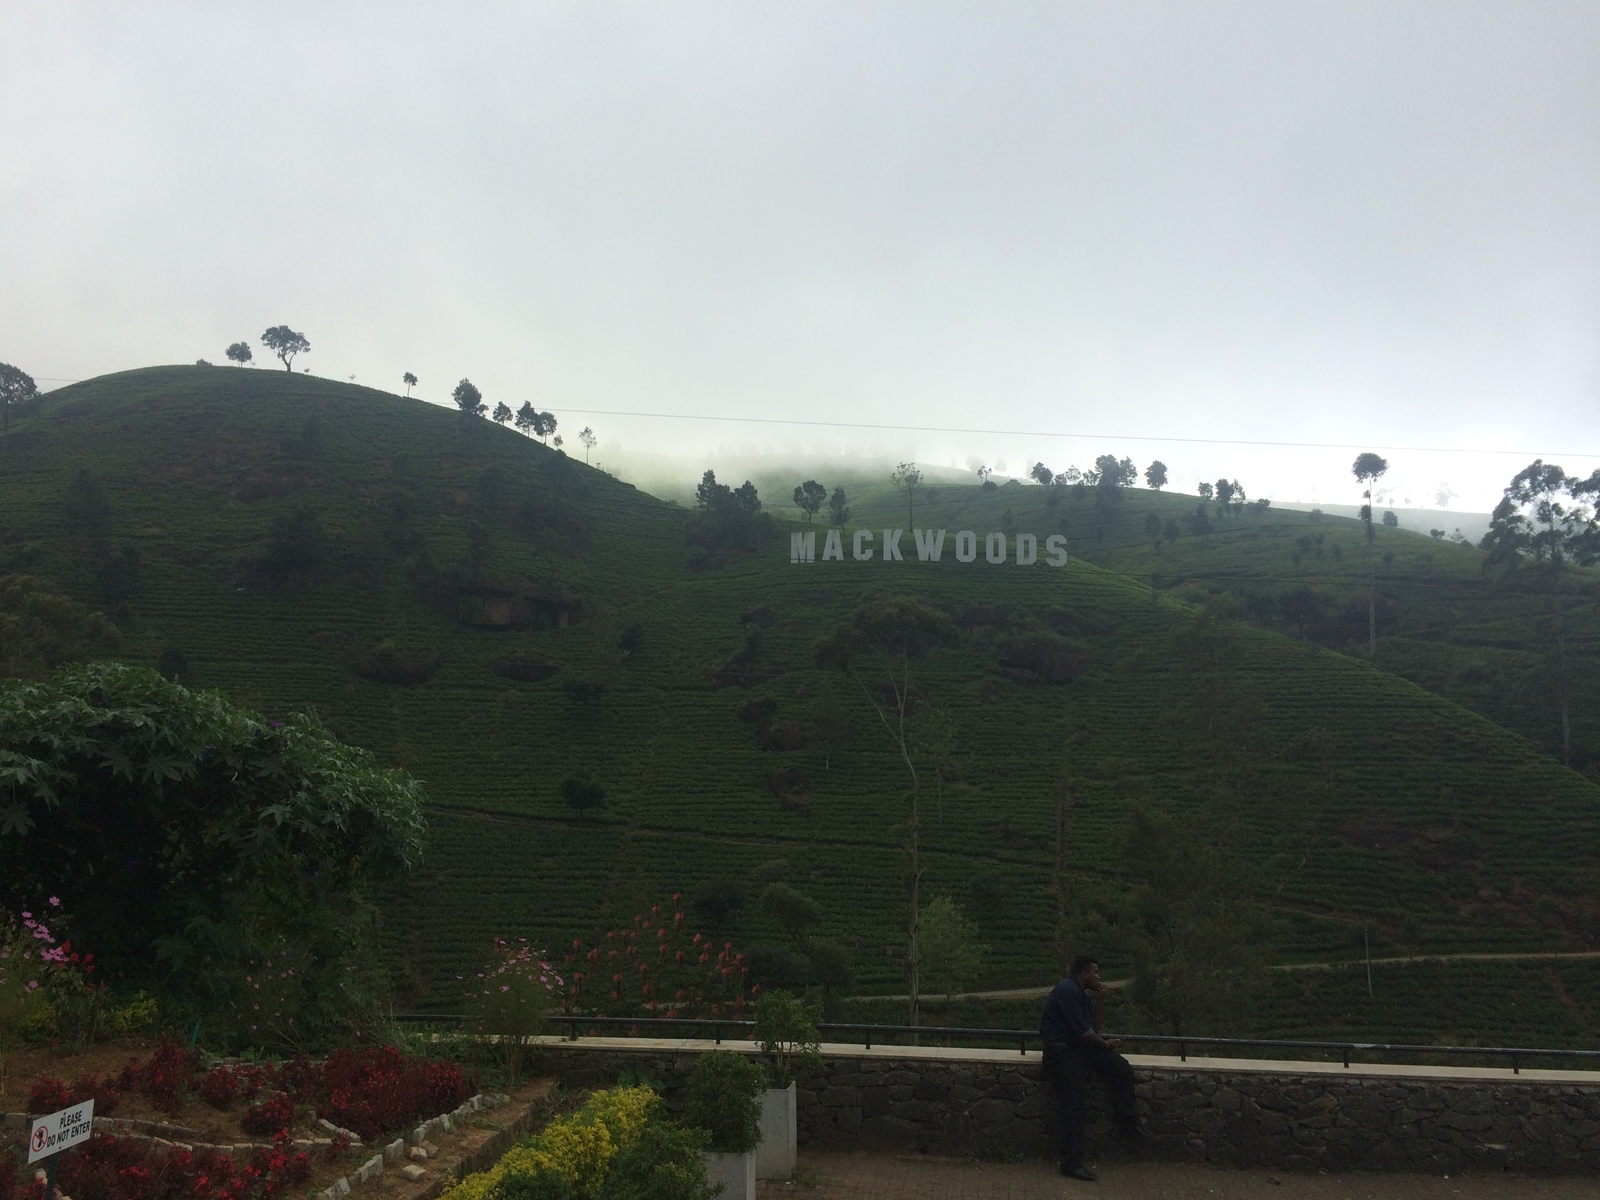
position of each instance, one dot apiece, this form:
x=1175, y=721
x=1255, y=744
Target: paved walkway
x=914, y=1177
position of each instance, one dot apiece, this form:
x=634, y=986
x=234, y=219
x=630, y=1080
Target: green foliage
x=188, y=835
x=838, y=509
x=809, y=497
x=664, y=1164
x=582, y=793
x=16, y=389
x=724, y=1099
x=512, y=996
x=947, y=941
x=40, y=629
x=786, y=1031
x=468, y=399
x=726, y=521
x=1196, y=934
x=239, y=352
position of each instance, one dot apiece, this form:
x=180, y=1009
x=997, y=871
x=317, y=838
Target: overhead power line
x=1104, y=437
x=1053, y=433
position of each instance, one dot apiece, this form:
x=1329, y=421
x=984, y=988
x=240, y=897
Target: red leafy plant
x=164, y=1079
x=115, y=1168
x=49, y=1095
x=219, y=1088
x=372, y=1091
x=656, y=968
x=269, y=1117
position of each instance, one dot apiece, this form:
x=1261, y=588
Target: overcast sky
x=1310, y=222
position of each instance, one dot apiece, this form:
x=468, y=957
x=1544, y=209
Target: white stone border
x=419, y=1138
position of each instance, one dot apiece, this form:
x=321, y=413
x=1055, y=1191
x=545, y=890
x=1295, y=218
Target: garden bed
x=166, y=1129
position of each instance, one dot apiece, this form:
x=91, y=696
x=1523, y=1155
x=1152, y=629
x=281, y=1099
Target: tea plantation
x=495, y=617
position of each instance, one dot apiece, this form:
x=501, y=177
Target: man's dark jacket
x=1068, y=1015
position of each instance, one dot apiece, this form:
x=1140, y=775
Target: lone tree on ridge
x=502, y=413
x=468, y=399
x=285, y=343
x=1368, y=469
x=1156, y=475
x=907, y=478
x=410, y=381
x=809, y=498
x=239, y=352
x=589, y=440
x=16, y=388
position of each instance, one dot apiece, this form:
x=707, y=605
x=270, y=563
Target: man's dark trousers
x=1068, y=1069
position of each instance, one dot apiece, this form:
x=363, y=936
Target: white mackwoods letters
x=1020, y=548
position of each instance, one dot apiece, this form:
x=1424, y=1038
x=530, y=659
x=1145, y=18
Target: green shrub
x=724, y=1099
x=786, y=1031
x=664, y=1164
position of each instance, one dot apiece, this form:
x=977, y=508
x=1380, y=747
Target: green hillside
x=1478, y=638
x=495, y=616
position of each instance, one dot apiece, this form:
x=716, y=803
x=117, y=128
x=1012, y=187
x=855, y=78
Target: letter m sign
x=803, y=547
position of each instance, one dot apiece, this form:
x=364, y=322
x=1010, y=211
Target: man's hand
x=1112, y=1043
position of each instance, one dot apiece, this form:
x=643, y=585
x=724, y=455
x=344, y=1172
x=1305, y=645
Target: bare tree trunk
x=1561, y=680
x=1372, y=599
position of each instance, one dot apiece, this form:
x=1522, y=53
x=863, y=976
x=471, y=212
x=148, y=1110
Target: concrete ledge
x=1031, y=1060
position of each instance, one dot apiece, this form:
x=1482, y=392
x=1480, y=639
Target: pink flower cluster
x=18, y=952
x=515, y=965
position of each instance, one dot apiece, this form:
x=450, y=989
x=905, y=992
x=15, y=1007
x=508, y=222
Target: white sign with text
x=59, y=1130
x=1020, y=548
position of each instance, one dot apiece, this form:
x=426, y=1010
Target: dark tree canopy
x=1042, y=474
x=409, y=380
x=240, y=353
x=183, y=833
x=809, y=498
x=838, y=510
x=468, y=399
x=16, y=388
x=285, y=343
x=898, y=626
x=582, y=792
x=1156, y=475
x=502, y=413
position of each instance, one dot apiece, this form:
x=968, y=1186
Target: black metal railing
x=716, y=1030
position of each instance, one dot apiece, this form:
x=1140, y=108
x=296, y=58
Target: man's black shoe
x=1080, y=1173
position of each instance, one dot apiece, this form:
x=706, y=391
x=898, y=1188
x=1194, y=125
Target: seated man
x=1070, y=1030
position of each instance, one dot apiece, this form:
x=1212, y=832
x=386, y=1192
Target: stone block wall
x=998, y=1108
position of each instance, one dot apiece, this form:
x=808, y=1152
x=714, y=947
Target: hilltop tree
x=410, y=381
x=907, y=478
x=1042, y=474
x=16, y=389
x=502, y=413
x=285, y=343
x=545, y=426
x=1391, y=521
x=239, y=352
x=883, y=638
x=809, y=498
x=1156, y=475
x=1368, y=469
x=1224, y=495
x=1536, y=527
x=527, y=418
x=1205, y=492
x=589, y=440
x=838, y=510
x=468, y=399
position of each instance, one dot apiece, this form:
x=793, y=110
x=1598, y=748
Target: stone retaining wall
x=993, y=1105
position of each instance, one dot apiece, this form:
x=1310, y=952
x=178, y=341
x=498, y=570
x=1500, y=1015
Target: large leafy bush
x=724, y=1099
x=192, y=838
